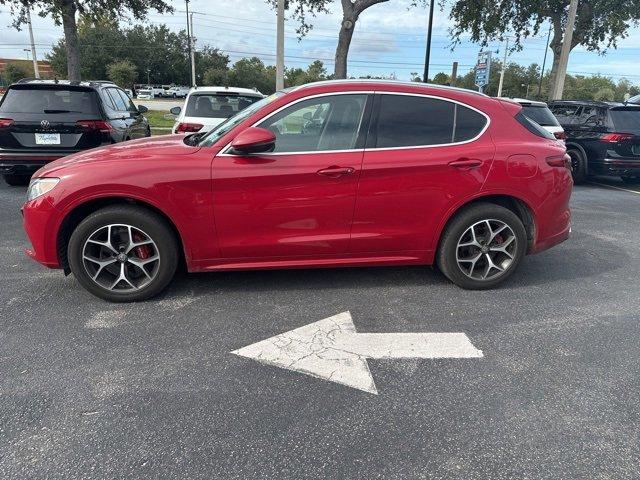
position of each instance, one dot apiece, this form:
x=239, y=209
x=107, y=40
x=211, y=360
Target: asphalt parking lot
x=151, y=390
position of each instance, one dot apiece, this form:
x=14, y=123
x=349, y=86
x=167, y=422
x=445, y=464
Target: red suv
x=340, y=173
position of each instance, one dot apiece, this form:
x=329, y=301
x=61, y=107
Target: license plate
x=47, y=139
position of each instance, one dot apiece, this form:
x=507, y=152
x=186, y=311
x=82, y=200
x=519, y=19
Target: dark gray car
x=42, y=120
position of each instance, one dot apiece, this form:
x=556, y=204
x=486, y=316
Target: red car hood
x=145, y=148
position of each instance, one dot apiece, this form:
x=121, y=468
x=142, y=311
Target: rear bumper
x=617, y=166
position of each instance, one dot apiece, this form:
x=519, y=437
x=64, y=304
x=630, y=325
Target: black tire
x=578, y=166
x=153, y=225
x=630, y=180
x=16, y=180
x=446, y=256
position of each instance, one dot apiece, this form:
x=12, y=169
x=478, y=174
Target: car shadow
x=583, y=256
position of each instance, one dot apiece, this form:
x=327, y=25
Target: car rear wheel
x=123, y=254
x=482, y=246
x=16, y=180
x=578, y=166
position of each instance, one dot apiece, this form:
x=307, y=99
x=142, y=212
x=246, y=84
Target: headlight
x=40, y=186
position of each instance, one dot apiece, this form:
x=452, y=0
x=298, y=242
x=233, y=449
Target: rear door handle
x=466, y=163
x=335, y=171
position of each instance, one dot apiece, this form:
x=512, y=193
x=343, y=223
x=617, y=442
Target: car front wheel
x=482, y=246
x=123, y=253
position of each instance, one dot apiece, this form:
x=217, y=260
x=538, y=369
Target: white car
x=177, y=92
x=149, y=92
x=539, y=112
x=206, y=107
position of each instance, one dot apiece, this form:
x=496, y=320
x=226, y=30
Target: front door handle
x=466, y=163
x=335, y=171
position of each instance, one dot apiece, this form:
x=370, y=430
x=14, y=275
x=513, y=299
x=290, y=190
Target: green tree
x=441, y=78
x=605, y=94
x=12, y=73
x=252, y=73
x=315, y=72
x=216, y=77
x=599, y=23
x=122, y=73
x=64, y=13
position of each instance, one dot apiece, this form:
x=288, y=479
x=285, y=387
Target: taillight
x=616, y=137
x=6, y=122
x=560, y=135
x=562, y=161
x=188, y=127
x=99, y=125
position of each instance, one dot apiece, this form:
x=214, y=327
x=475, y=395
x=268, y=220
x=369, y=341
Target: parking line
x=614, y=187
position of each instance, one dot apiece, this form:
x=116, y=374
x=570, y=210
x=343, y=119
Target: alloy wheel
x=486, y=249
x=121, y=258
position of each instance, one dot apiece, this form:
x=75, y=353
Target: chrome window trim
x=224, y=151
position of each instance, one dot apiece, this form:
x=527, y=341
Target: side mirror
x=142, y=109
x=254, y=140
x=175, y=111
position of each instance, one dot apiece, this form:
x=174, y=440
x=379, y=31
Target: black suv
x=41, y=120
x=602, y=138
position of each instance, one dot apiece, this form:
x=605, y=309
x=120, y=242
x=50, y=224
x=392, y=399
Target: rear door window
x=411, y=121
x=565, y=113
x=53, y=100
x=214, y=105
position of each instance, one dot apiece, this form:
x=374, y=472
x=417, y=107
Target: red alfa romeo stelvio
x=330, y=174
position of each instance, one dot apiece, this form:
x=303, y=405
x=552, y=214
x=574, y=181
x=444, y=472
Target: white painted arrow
x=331, y=349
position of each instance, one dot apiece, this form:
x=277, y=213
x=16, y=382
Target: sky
x=389, y=39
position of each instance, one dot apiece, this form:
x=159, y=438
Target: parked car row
x=148, y=92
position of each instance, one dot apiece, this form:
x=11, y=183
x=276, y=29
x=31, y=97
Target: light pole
x=36, y=70
x=280, y=46
x=525, y=85
x=427, y=54
x=558, y=88
x=504, y=66
x=148, y=81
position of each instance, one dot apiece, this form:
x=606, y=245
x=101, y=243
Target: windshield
x=49, y=100
x=226, y=126
x=541, y=115
x=216, y=105
x=626, y=120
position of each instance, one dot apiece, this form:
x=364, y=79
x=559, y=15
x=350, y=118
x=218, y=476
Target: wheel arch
x=518, y=206
x=576, y=146
x=81, y=211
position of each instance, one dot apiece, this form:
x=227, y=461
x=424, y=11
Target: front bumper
x=40, y=224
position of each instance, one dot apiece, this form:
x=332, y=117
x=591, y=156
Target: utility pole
x=558, y=88
x=454, y=74
x=280, y=46
x=36, y=69
x=504, y=66
x=188, y=34
x=192, y=55
x=544, y=63
x=427, y=55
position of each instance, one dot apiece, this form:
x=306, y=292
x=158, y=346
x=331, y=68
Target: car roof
x=593, y=103
x=214, y=89
x=86, y=83
x=383, y=82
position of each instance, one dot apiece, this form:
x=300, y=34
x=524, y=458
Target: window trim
x=372, y=123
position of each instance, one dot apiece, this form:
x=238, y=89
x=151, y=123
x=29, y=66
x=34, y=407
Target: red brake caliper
x=143, y=251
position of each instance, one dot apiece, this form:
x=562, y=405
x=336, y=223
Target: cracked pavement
x=101, y=391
